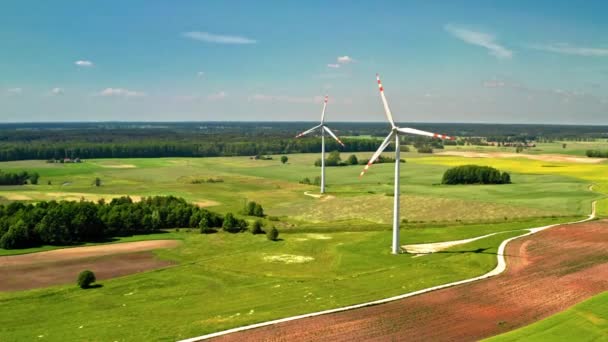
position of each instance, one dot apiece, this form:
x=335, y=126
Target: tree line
x=334, y=159
x=209, y=147
x=66, y=223
x=18, y=178
x=596, y=154
x=475, y=174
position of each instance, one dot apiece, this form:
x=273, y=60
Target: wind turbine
x=323, y=129
x=395, y=133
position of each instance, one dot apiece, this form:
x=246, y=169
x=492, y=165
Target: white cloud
x=217, y=38
x=84, y=63
x=345, y=59
x=480, y=39
x=15, y=91
x=200, y=74
x=121, y=92
x=217, y=96
x=568, y=49
x=57, y=91
x=334, y=66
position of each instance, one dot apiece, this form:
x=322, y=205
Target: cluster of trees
x=597, y=154
x=18, y=178
x=65, y=223
x=334, y=159
x=475, y=174
x=253, y=209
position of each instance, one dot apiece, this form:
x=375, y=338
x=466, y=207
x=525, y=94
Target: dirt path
x=427, y=248
x=542, y=157
x=547, y=273
x=323, y=197
x=61, y=266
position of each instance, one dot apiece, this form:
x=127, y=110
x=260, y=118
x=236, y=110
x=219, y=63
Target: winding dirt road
x=547, y=272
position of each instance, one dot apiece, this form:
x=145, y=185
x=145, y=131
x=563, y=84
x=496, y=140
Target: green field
x=587, y=321
x=225, y=280
x=334, y=252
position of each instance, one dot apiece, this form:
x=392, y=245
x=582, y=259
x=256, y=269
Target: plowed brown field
x=61, y=266
x=546, y=273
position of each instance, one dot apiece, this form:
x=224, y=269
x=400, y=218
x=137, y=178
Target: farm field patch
x=546, y=273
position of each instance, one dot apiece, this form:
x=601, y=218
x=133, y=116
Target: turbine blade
x=323, y=112
x=333, y=135
x=306, y=132
x=425, y=133
x=387, y=110
x=384, y=144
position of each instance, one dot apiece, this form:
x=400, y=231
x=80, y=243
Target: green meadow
x=334, y=251
x=586, y=321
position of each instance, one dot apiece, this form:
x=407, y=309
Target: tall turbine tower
x=395, y=133
x=323, y=129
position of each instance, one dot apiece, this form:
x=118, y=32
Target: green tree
x=258, y=210
x=97, y=181
x=352, y=160
x=34, y=178
x=85, y=279
x=155, y=220
x=284, y=159
x=333, y=159
x=230, y=222
x=257, y=227
x=273, y=234
x=204, y=227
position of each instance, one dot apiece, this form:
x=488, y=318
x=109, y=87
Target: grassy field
x=574, y=148
x=335, y=249
x=226, y=280
x=587, y=321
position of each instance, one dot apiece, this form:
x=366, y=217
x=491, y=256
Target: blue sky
x=457, y=61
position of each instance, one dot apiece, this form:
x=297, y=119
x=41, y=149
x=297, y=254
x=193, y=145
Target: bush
x=284, y=159
x=425, y=149
x=257, y=227
x=253, y=209
x=305, y=180
x=475, y=174
x=352, y=160
x=85, y=279
x=232, y=224
x=273, y=234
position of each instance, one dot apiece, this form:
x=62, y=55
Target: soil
x=61, y=266
x=546, y=273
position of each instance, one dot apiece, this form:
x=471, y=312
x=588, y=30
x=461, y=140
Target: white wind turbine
x=395, y=133
x=323, y=129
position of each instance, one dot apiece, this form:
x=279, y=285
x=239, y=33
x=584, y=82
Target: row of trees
x=65, y=223
x=334, y=159
x=208, y=146
x=18, y=178
x=475, y=174
x=597, y=154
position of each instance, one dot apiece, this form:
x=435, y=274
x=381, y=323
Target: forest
x=18, y=178
x=475, y=174
x=67, y=223
x=54, y=141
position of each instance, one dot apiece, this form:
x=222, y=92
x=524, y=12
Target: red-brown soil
x=61, y=266
x=546, y=273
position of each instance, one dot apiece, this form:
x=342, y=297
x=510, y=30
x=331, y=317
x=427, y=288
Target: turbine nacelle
x=395, y=130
